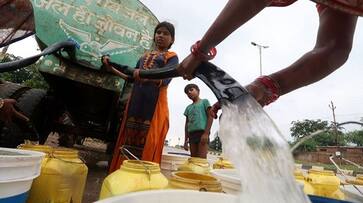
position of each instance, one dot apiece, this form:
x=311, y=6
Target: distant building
x=322, y=154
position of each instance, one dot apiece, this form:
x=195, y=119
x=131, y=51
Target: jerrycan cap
x=140, y=166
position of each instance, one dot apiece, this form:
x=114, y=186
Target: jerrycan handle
x=123, y=149
x=51, y=155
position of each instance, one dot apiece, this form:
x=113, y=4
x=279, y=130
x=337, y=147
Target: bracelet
x=1, y=103
x=272, y=88
x=195, y=50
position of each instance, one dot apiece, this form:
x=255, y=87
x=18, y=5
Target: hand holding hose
x=264, y=89
x=109, y=68
x=188, y=66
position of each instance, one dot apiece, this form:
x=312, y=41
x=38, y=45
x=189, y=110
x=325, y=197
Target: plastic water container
x=325, y=184
x=356, y=181
x=63, y=176
x=18, y=168
x=222, y=163
x=197, y=165
x=317, y=168
x=133, y=176
x=194, y=181
x=172, y=196
x=298, y=166
x=230, y=181
x=301, y=179
x=171, y=162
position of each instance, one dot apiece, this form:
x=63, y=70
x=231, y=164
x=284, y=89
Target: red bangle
x=272, y=87
x=195, y=49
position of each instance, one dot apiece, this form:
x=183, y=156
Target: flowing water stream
x=260, y=154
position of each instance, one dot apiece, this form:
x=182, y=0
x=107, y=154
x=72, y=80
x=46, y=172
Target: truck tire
x=34, y=103
x=11, y=90
x=29, y=102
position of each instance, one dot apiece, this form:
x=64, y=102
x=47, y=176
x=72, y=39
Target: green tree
x=306, y=127
x=303, y=128
x=355, y=137
x=28, y=76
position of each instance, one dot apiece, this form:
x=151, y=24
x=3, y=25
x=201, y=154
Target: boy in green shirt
x=198, y=123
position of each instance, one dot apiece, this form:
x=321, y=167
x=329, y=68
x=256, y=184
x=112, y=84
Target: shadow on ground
x=96, y=161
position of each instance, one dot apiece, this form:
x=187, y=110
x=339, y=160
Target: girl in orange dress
x=146, y=118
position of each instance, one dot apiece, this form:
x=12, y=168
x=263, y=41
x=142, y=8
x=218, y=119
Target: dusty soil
x=96, y=160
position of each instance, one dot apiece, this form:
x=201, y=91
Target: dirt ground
x=96, y=161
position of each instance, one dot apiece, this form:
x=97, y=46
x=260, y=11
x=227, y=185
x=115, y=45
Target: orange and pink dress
x=146, y=118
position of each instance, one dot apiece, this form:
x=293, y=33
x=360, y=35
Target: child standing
x=198, y=123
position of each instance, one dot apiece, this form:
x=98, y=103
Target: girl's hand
x=109, y=68
x=137, y=76
x=187, y=67
x=106, y=63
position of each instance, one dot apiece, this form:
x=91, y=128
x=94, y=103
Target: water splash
x=261, y=155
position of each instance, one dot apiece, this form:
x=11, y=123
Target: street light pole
x=259, y=46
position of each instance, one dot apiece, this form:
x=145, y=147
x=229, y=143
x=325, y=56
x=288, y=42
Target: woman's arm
x=331, y=51
x=332, y=48
x=233, y=15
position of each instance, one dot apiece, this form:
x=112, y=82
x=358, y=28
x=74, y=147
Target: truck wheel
x=11, y=90
x=38, y=107
x=29, y=102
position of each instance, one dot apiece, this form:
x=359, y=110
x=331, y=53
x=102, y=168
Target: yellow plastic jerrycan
x=357, y=181
x=300, y=178
x=222, y=163
x=133, y=175
x=194, y=181
x=62, y=178
x=325, y=184
x=197, y=165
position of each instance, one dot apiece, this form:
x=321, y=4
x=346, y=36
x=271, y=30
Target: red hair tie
x=272, y=88
x=195, y=49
